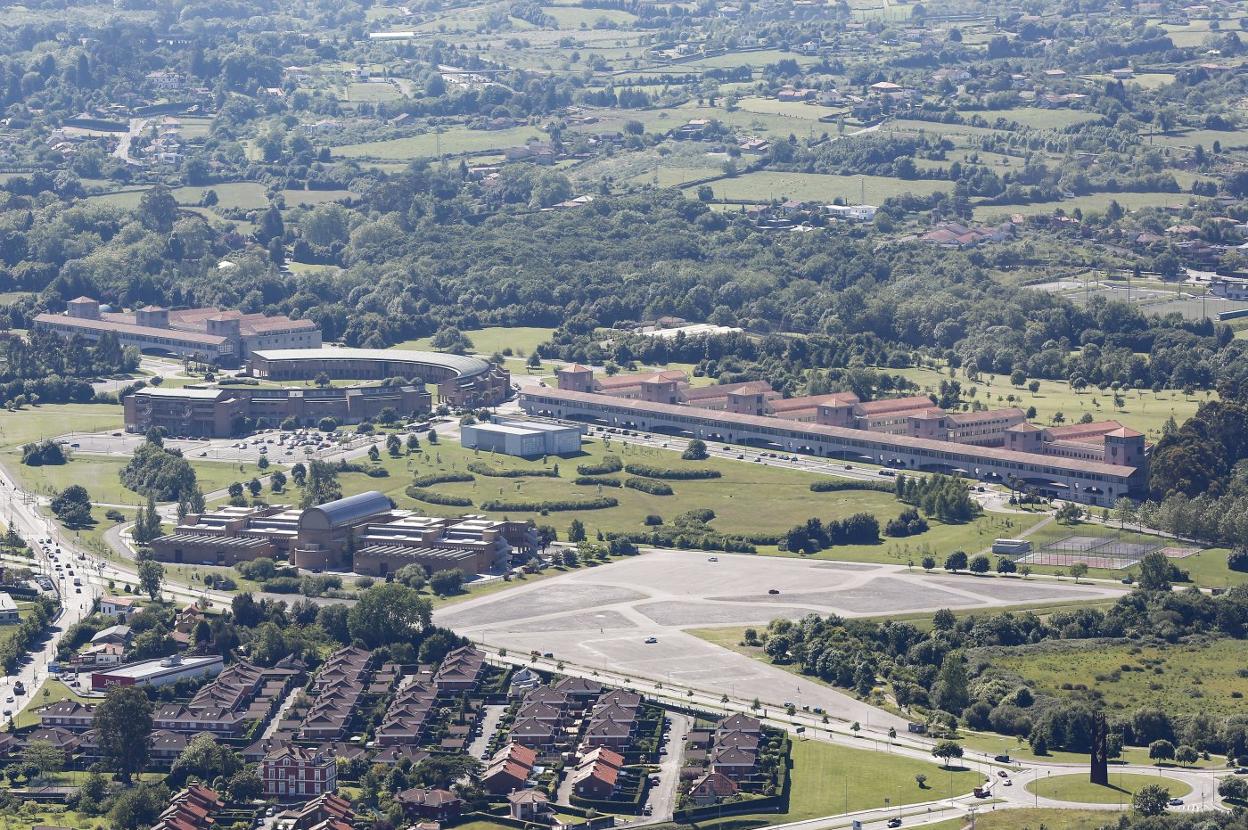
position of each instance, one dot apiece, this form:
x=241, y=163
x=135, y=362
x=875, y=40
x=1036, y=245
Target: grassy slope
x=101, y=476
x=1197, y=676
x=1032, y=819
x=34, y=423
x=521, y=339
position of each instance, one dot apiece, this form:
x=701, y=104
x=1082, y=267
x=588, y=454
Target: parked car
x=895, y=821
x=773, y=591
x=1176, y=802
x=651, y=640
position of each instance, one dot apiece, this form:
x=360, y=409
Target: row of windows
x=867, y=445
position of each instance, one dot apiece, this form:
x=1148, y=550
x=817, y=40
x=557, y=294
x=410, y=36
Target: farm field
x=522, y=340
x=1194, y=677
x=573, y=17
x=456, y=141
x=1143, y=409
x=756, y=59
x=765, y=186
x=1122, y=785
x=1039, y=118
x=1093, y=202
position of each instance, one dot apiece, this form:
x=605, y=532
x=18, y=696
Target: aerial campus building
x=236, y=410
x=516, y=436
x=364, y=533
x=211, y=335
x=1090, y=463
x=461, y=380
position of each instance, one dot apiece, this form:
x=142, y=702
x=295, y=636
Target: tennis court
x=1112, y=552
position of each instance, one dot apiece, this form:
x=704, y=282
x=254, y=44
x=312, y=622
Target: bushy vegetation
x=945, y=498
x=596, y=481
x=672, y=473
x=645, y=485
x=816, y=535
x=609, y=464
x=498, y=472
x=552, y=506
x=434, y=497
x=159, y=472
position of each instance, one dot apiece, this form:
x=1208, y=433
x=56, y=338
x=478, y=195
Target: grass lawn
x=101, y=476
x=995, y=744
x=759, y=58
x=765, y=186
x=456, y=141
x=829, y=779
x=522, y=340
x=1122, y=785
x=1142, y=410
x=1031, y=819
x=1121, y=678
x=35, y=423
x=731, y=496
x=52, y=691
x=1040, y=119
x=53, y=816
x=1098, y=202
x=572, y=17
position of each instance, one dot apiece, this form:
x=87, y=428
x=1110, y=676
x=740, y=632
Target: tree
x=158, y=209
x=447, y=582
x=696, y=451
x=244, y=785
x=1006, y=565
x=277, y=481
x=980, y=565
x=298, y=474
x=413, y=442
x=147, y=523
x=123, y=724
x=946, y=751
x=44, y=757
x=1154, y=572
x=1069, y=513
x=205, y=759
x=151, y=575
x=1186, y=755
x=393, y=445
x=950, y=690
x=1079, y=570
x=1151, y=800
x=1161, y=750
x=73, y=506
x=320, y=486
x=955, y=561
x=928, y=562
x=387, y=614
x=576, y=531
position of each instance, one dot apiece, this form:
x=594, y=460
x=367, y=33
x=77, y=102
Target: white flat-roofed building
x=8, y=611
x=523, y=438
x=158, y=672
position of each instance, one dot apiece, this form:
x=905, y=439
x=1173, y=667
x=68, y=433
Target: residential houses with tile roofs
x=295, y=772
x=193, y=808
x=338, y=687
x=241, y=693
x=597, y=774
x=509, y=769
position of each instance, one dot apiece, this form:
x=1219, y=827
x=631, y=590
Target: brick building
x=296, y=773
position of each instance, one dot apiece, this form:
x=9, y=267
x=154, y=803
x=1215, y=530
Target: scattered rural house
x=956, y=235
x=118, y=606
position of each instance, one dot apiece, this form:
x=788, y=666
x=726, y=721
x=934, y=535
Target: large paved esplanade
x=1090, y=482
x=462, y=380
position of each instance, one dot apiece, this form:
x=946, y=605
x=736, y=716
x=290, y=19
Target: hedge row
x=590, y=481
x=609, y=464
x=430, y=497
x=689, y=539
x=648, y=471
x=494, y=472
x=832, y=485
x=645, y=485
x=441, y=478
x=599, y=503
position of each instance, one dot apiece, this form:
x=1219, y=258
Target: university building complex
x=363, y=533
x=1093, y=463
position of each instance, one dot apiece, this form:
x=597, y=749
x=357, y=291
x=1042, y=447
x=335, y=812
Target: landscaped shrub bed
x=441, y=478
x=646, y=485
x=599, y=503
x=590, y=481
x=675, y=474
x=495, y=472
x=609, y=464
x=430, y=497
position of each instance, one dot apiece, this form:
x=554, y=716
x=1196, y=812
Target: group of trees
x=943, y=497
x=950, y=668
x=159, y=472
x=816, y=535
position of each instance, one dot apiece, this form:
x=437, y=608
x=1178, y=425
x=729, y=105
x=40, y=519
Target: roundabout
x=1122, y=786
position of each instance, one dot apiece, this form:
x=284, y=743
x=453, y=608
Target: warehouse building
x=526, y=439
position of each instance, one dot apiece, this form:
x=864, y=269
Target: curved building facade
x=461, y=380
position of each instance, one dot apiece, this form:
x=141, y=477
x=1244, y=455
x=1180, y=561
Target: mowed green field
x=34, y=423
x=1122, y=785
x=1196, y=677
x=573, y=17
x=101, y=476
x=829, y=780
x=454, y=141
x=1142, y=410
x=522, y=340
x=1031, y=819
x=733, y=497
x=1093, y=202
x=765, y=186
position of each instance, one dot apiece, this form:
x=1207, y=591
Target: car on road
x=1007, y=783
x=894, y=822
x=1176, y=802
x=651, y=640
x=773, y=591
x=77, y=590
x=9, y=699
x=712, y=559
x=1242, y=771
x=648, y=810
x=1002, y=774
